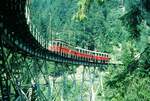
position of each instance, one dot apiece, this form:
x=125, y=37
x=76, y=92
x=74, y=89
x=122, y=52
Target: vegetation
x=118, y=27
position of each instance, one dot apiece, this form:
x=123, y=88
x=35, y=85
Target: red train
x=68, y=50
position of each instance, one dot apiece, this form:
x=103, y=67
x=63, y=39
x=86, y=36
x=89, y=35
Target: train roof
x=60, y=40
x=91, y=50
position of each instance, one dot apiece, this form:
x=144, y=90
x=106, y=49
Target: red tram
x=65, y=49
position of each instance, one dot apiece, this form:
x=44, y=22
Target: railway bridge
x=18, y=35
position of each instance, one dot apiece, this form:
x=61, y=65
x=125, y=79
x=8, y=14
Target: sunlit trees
x=102, y=25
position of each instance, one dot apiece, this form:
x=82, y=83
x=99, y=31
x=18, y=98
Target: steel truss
x=11, y=77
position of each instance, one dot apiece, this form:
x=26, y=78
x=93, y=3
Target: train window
x=93, y=53
x=61, y=44
x=96, y=54
x=100, y=54
x=66, y=45
x=90, y=53
x=53, y=43
x=58, y=44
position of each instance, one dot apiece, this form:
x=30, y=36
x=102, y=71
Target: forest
x=120, y=28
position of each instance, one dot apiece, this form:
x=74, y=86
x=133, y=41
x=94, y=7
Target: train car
x=102, y=57
x=67, y=50
x=59, y=47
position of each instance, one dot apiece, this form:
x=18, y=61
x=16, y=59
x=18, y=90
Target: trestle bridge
x=19, y=36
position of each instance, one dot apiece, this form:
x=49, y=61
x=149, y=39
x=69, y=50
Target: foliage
x=83, y=7
x=103, y=25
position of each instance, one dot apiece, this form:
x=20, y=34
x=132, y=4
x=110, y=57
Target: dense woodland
x=118, y=27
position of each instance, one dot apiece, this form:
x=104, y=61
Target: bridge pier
x=91, y=84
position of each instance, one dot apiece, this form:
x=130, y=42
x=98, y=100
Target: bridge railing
x=34, y=31
x=82, y=56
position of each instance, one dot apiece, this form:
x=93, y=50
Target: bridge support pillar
x=82, y=83
x=91, y=83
